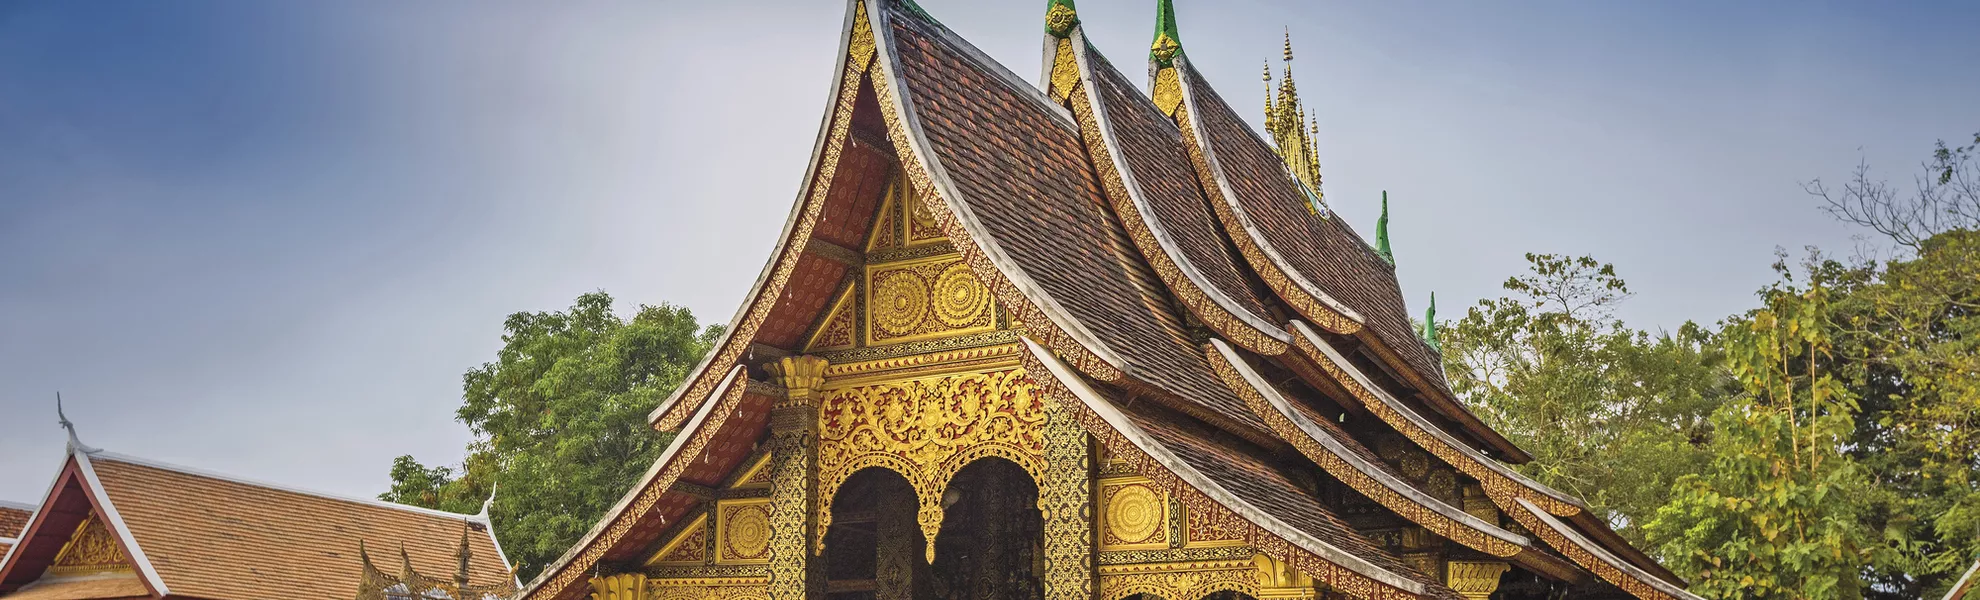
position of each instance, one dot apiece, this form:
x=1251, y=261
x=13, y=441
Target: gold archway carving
x=927, y=430
x=1180, y=580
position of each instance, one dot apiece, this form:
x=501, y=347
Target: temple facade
x=1085, y=338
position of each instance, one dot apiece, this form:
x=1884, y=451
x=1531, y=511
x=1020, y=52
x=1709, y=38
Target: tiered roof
x=1176, y=279
x=162, y=529
x=13, y=520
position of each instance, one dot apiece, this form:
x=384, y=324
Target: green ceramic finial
x=1430, y=325
x=1167, y=41
x=1382, y=231
x=1060, y=17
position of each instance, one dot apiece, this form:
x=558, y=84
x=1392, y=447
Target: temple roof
x=1156, y=256
x=194, y=534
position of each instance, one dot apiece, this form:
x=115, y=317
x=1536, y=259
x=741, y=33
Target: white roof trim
x=19, y=506
x=145, y=462
x=116, y=522
x=1209, y=487
x=1149, y=218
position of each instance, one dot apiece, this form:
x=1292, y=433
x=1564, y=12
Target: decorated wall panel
x=927, y=429
x=925, y=298
x=689, y=546
x=742, y=531
x=1134, y=515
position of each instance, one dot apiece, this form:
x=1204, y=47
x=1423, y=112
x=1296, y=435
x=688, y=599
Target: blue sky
x=268, y=238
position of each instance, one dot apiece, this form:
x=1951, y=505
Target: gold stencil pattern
x=1136, y=515
x=708, y=588
x=1179, y=580
x=91, y=549
x=926, y=430
x=926, y=298
x=689, y=546
x=744, y=531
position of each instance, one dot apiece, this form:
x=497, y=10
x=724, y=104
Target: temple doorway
x=990, y=546
x=873, y=550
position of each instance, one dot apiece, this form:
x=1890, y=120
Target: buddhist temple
x=1082, y=336
x=116, y=526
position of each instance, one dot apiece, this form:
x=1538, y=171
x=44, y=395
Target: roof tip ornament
x=1288, y=43
x=1382, y=233
x=1168, y=43
x=490, y=502
x=1430, y=326
x=1293, y=131
x=75, y=444
x=1060, y=17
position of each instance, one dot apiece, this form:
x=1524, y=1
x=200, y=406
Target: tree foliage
x=1776, y=514
x=1552, y=369
x=560, y=422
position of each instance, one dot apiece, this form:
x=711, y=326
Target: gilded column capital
x=623, y=586
x=801, y=376
x=1475, y=580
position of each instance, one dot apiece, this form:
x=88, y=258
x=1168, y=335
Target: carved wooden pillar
x=794, y=574
x=1065, y=502
x=1475, y=580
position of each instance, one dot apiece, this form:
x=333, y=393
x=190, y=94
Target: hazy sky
x=267, y=238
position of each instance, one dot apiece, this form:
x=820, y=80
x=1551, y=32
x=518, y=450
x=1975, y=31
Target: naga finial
x=75, y=444
x=1430, y=325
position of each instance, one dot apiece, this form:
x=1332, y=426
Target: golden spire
x=1293, y=132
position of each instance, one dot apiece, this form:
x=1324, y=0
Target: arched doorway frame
x=927, y=430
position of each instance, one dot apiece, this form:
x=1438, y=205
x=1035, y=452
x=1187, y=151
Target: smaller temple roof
x=13, y=518
x=188, y=533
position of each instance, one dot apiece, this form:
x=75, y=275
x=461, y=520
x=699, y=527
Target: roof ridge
x=197, y=472
x=19, y=505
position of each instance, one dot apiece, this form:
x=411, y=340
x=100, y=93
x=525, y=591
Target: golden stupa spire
x=1293, y=132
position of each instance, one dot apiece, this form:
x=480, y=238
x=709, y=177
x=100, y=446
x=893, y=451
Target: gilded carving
x=689, y=546
x=1475, y=580
x=707, y=588
x=926, y=430
x=1065, y=501
x=1190, y=580
x=835, y=331
x=1202, y=530
x=793, y=477
x=624, y=586
x=1265, y=540
x=1134, y=515
x=91, y=549
x=925, y=298
x=1065, y=71
x=1600, y=566
x=743, y=531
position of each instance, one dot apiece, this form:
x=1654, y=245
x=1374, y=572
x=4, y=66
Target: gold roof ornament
x=409, y=584
x=1293, y=132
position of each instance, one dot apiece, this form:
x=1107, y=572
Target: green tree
x=1552, y=369
x=560, y=422
x=1779, y=513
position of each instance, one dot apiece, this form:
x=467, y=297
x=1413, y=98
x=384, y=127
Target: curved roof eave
x=1299, y=292
x=763, y=293
x=1122, y=436
x=1352, y=468
x=1595, y=558
x=1498, y=479
x=1063, y=331
x=692, y=440
x=1254, y=332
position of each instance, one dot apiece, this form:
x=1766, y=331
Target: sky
x=267, y=239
